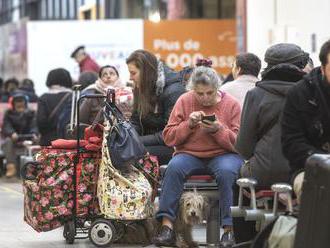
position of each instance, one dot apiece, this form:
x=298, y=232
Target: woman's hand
x=195, y=118
x=211, y=126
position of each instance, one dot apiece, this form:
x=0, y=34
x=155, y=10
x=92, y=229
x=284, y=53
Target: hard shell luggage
x=313, y=229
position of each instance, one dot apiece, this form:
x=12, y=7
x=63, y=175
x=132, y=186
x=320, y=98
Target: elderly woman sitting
x=202, y=127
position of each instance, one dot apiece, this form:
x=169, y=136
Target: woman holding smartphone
x=202, y=127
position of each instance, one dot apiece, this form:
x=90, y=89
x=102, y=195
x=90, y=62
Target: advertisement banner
x=109, y=42
x=13, y=61
x=181, y=42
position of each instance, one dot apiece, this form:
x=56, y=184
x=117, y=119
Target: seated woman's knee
x=174, y=167
x=226, y=174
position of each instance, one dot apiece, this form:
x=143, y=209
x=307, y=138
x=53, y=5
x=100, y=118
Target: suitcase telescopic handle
x=75, y=96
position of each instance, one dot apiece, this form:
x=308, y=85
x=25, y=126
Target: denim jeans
x=225, y=167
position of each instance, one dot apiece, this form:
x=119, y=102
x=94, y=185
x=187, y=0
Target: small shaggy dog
x=192, y=211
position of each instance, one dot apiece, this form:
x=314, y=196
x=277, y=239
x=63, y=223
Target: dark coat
x=20, y=123
x=306, y=121
x=48, y=127
x=90, y=107
x=151, y=127
x=259, y=138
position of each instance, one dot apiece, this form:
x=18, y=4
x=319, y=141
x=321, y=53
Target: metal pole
x=97, y=9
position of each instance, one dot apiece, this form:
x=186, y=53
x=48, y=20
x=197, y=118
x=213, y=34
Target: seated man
x=258, y=140
x=306, y=118
x=202, y=127
x=19, y=120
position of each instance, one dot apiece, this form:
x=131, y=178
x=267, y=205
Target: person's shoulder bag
x=123, y=141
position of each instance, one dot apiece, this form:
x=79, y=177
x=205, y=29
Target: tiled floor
x=15, y=233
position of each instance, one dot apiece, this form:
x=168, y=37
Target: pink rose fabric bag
x=48, y=187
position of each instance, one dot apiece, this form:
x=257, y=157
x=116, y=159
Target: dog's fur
x=192, y=211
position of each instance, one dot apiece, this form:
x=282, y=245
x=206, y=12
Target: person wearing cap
x=259, y=137
x=306, y=118
x=18, y=120
x=86, y=63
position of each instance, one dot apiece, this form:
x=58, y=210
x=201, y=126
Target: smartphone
x=208, y=118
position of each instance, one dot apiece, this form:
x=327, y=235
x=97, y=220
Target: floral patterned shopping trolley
x=48, y=188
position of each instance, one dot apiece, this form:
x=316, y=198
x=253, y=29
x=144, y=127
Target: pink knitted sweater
x=196, y=141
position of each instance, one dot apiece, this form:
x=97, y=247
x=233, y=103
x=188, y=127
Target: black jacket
x=20, y=123
x=48, y=127
x=259, y=138
x=306, y=120
x=169, y=88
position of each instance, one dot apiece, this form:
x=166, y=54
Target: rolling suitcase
x=313, y=228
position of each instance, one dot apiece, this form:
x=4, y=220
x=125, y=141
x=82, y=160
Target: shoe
x=11, y=170
x=227, y=239
x=165, y=237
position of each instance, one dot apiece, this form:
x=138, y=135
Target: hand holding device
x=210, y=118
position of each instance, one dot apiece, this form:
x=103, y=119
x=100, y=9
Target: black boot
x=165, y=237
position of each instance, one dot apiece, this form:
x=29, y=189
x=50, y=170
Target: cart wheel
x=102, y=233
x=69, y=232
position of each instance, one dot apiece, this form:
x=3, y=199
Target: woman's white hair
x=204, y=75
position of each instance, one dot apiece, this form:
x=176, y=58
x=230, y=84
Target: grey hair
x=204, y=75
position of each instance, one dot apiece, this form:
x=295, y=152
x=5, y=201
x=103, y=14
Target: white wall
x=107, y=41
x=294, y=21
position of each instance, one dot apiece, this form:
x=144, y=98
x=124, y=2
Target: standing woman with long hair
x=155, y=92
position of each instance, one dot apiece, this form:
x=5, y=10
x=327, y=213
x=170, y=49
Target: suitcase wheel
x=102, y=233
x=69, y=232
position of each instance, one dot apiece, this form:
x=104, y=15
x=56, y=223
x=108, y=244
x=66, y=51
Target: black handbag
x=123, y=141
